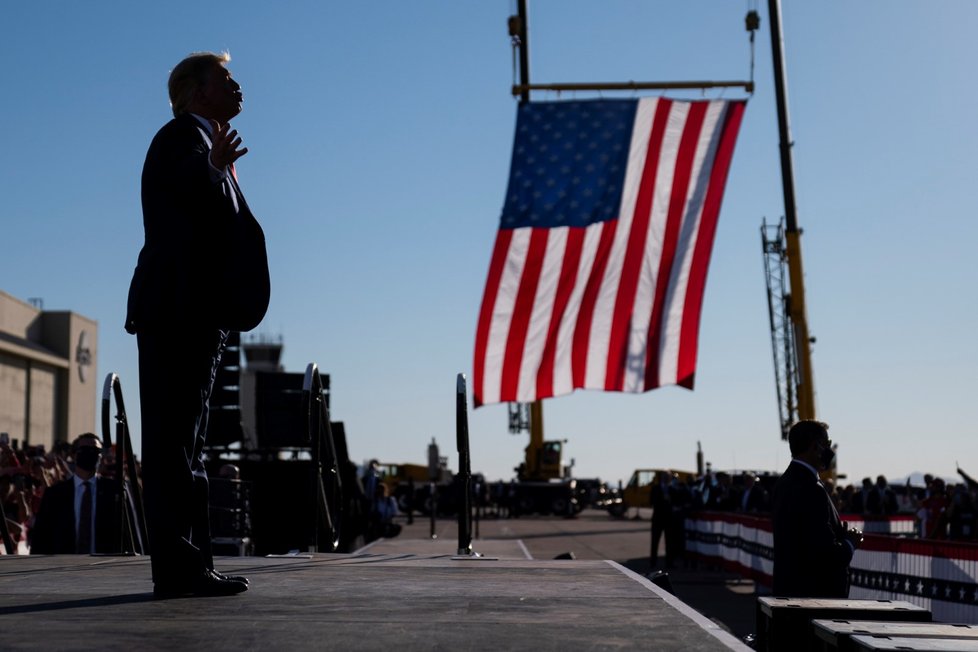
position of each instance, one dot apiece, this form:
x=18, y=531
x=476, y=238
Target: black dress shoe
x=208, y=583
x=233, y=578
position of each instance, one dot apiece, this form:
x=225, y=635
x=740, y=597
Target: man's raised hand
x=225, y=146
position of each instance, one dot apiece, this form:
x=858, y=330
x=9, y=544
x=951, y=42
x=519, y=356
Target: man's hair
x=189, y=75
x=82, y=437
x=804, y=433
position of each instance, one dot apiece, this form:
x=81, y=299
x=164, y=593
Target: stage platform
x=399, y=594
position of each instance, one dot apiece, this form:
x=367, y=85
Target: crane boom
x=782, y=335
x=793, y=298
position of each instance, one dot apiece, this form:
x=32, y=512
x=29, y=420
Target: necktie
x=234, y=187
x=84, y=543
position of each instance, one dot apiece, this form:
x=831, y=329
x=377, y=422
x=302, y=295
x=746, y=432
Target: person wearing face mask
x=812, y=546
x=79, y=515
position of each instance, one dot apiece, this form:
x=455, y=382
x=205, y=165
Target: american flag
x=597, y=275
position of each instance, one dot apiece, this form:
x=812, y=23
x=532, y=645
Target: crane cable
x=514, y=26
x=752, y=22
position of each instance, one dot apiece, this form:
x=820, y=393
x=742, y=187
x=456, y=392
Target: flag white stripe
x=638, y=342
x=689, y=231
x=563, y=374
x=604, y=309
x=543, y=304
x=502, y=313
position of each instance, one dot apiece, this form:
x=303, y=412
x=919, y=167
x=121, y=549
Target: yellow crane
x=790, y=338
x=789, y=321
x=543, y=459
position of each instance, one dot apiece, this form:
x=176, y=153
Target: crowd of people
x=942, y=510
x=26, y=472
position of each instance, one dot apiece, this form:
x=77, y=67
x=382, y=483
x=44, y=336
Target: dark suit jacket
x=661, y=500
x=756, y=500
x=54, y=529
x=811, y=555
x=204, y=259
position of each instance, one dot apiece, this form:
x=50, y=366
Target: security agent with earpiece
x=79, y=515
x=812, y=546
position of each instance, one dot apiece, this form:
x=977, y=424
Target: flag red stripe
x=565, y=286
x=522, y=311
x=499, y=252
x=635, y=251
x=582, y=330
x=689, y=334
x=677, y=207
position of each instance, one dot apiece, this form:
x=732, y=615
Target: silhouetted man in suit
x=202, y=272
x=80, y=514
x=812, y=547
x=661, y=495
x=753, y=498
x=885, y=497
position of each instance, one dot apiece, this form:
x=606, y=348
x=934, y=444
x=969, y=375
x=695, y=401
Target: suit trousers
x=177, y=369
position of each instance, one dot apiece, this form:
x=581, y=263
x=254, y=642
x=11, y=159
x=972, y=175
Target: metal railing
x=326, y=470
x=132, y=517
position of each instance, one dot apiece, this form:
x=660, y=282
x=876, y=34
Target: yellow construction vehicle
x=543, y=459
x=394, y=474
x=402, y=478
x=543, y=482
x=638, y=491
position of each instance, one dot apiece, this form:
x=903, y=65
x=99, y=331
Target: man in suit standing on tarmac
x=812, y=546
x=202, y=272
x=80, y=514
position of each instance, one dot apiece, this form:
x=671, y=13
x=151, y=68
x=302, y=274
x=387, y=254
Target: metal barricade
x=941, y=576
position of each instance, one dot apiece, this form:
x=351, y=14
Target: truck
x=543, y=484
x=411, y=484
x=401, y=478
x=638, y=492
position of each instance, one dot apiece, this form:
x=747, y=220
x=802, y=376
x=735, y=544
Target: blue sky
x=380, y=136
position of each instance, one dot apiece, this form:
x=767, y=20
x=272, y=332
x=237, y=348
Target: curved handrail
x=133, y=538
x=320, y=435
x=465, y=467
